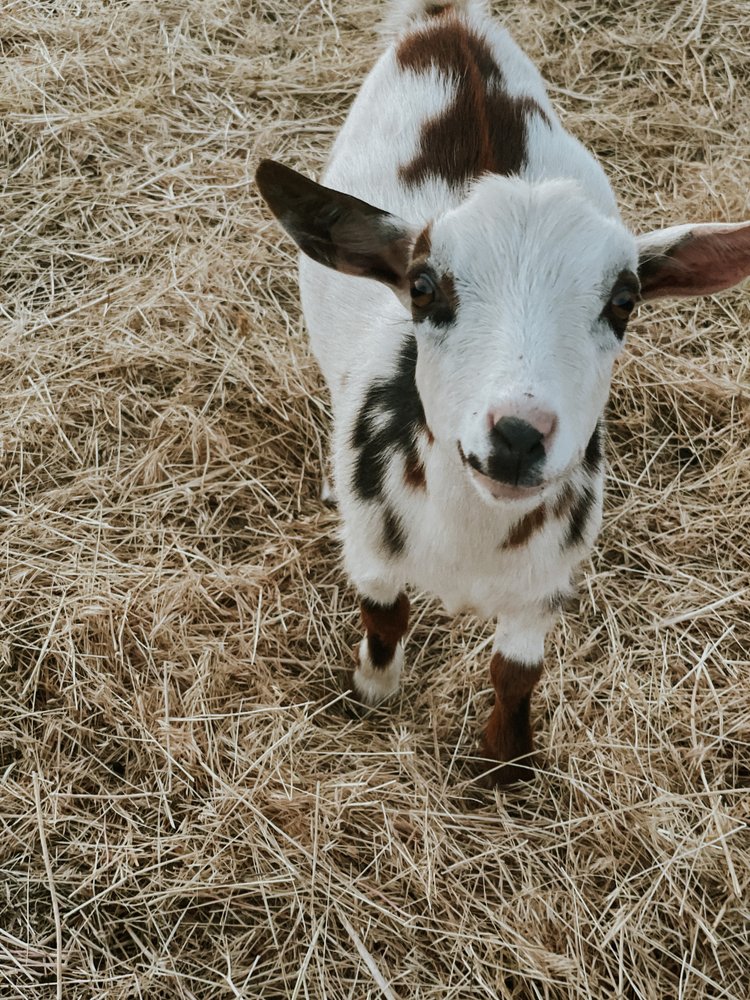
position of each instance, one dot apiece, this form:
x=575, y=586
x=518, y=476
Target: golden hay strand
x=188, y=808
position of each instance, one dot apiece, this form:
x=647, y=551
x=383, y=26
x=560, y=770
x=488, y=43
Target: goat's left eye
x=622, y=303
x=423, y=291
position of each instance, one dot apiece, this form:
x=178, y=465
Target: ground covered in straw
x=187, y=807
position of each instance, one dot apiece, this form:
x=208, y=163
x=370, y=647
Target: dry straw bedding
x=188, y=807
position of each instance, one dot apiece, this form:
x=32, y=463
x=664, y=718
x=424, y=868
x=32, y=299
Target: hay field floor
x=188, y=808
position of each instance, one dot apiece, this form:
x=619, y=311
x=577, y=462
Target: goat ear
x=336, y=229
x=693, y=259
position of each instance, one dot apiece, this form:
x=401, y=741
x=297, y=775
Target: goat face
x=519, y=300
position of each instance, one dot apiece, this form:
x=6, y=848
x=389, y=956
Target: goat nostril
x=518, y=436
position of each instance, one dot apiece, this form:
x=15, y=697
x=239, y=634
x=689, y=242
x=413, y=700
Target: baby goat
x=469, y=372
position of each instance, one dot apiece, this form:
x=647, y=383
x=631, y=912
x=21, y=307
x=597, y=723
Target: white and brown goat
x=469, y=378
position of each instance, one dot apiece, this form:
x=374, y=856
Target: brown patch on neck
x=385, y=625
x=521, y=532
x=394, y=537
x=484, y=129
x=414, y=474
x=508, y=735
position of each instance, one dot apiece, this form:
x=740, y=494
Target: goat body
x=469, y=372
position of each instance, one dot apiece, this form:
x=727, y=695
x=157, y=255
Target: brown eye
x=622, y=304
x=423, y=291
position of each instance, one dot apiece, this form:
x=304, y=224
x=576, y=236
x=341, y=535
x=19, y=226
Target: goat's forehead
x=549, y=230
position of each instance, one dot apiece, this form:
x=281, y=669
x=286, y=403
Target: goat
x=469, y=373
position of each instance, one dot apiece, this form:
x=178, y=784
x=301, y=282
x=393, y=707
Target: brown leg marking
x=385, y=625
x=508, y=732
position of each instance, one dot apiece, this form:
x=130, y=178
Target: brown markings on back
x=508, y=735
x=414, y=474
x=521, y=532
x=385, y=625
x=484, y=129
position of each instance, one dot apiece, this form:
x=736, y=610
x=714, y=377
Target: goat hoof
x=372, y=684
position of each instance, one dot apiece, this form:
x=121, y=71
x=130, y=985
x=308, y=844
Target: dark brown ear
x=336, y=229
x=693, y=259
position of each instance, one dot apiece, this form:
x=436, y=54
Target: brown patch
x=564, y=502
x=429, y=434
x=422, y=245
x=393, y=532
x=414, y=474
x=521, y=532
x=334, y=228
x=484, y=129
x=448, y=287
x=385, y=625
x=508, y=735
x=440, y=309
x=438, y=9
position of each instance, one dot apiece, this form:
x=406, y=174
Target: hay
x=188, y=809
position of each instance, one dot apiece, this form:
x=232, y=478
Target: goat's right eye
x=423, y=291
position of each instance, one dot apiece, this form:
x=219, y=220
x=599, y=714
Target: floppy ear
x=336, y=229
x=693, y=259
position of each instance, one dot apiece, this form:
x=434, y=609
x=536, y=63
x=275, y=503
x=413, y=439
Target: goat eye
x=423, y=291
x=622, y=303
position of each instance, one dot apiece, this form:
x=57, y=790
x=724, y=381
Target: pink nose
x=542, y=421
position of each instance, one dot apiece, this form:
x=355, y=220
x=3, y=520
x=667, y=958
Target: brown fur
x=414, y=474
x=521, y=532
x=564, y=502
x=495, y=139
x=422, y=245
x=394, y=539
x=448, y=287
x=385, y=625
x=508, y=734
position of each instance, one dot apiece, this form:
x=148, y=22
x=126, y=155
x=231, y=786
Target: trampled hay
x=189, y=806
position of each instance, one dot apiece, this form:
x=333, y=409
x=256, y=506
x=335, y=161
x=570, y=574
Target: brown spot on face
x=564, y=502
x=508, y=735
x=433, y=298
x=385, y=625
x=430, y=435
x=521, y=532
x=448, y=288
x=484, y=129
x=422, y=245
x=414, y=474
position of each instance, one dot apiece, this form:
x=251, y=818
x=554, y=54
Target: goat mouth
x=505, y=491
x=499, y=490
